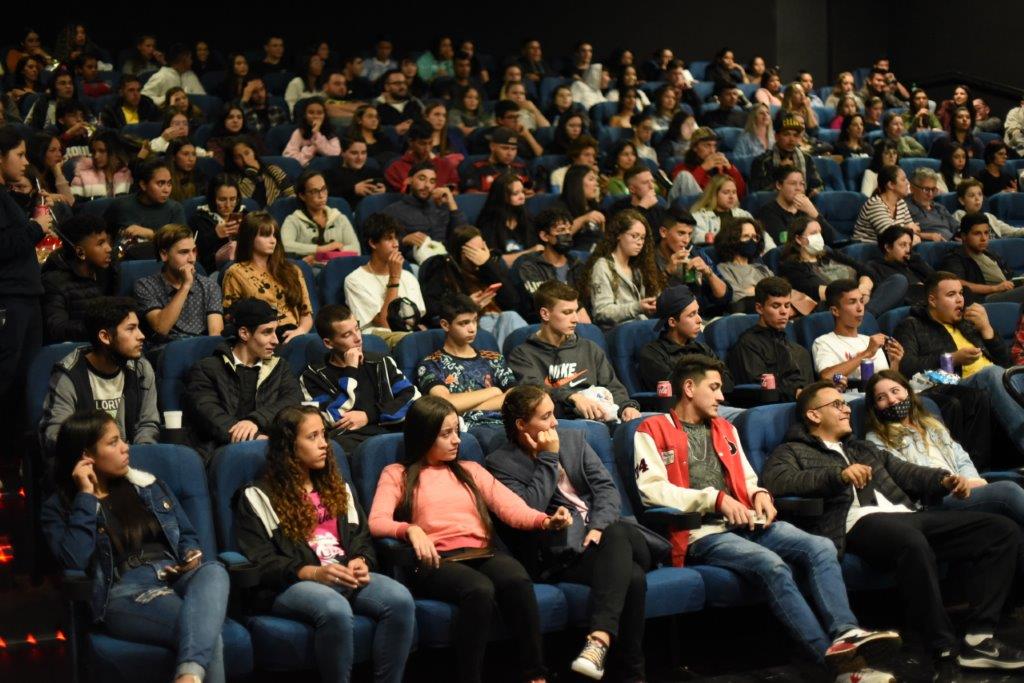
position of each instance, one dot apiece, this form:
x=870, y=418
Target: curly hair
x=645, y=269
x=282, y=478
x=727, y=243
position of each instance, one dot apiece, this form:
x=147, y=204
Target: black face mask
x=897, y=412
x=563, y=244
x=751, y=249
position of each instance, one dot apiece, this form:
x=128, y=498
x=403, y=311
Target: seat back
x=416, y=346
x=1008, y=206
x=539, y=202
x=37, y=384
x=934, y=252
x=910, y=164
x=628, y=339
x=130, y=271
x=1011, y=250
x=727, y=137
x=622, y=450
x=853, y=171
x=598, y=438
x=291, y=167
x=332, y=277
x=755, y=200
x=237, y=465
x=841, y=209
x=721, y=334
x=583, y=331
x=890, y=320
x=1004, y=316
x=831, y=174
x=374, y=204
x=277, y=137
x=471, y=205
x=761, y=429
x=178, y=358
x=862, y=252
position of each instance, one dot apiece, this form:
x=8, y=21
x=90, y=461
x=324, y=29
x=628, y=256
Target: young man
x=673, y=256
x=474, y=381
x=643, y=196
x=895, y=243
x=381, y=61
x=111, y=375
x=728, y=112
x=582, y=152
x=555, y=262
x=426, y=212
x=339, y=100
x=353, y=180
x=947, y=325
x=178, y=302
x=371, y=289
x=234, y=394
x=131, y=106
x=395, y=105
x=87, y=69
x=360, y=393
x=869, y=497
x=875, y=86
x=981, y=272
x=692, y=460
x=764, y=348
x=80, y=273
x=177, y=73
x=420, y=152
x=260, y=115
x=786, y=152
x=842, y=350
x=575, y=371
x=504, y=150
x=273, y=57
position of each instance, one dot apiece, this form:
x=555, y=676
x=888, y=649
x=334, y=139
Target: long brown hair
x=892, y=433
x=423, y=423
x=282, y=478
x=282, y=270
x=645, y=268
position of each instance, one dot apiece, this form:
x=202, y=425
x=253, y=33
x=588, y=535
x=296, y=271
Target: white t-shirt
x=830, y=349
x=364, y=292
x=858, y=511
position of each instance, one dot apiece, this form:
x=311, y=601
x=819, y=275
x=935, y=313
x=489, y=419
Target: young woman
x=622, y=157
x=795, y=101
x=135, y=218
x=771, y=89
x=47, y=166
x=177, y=100
x=176, y=127
x=845, y=86
x=851, y=142
x=570, y=127
x=953, y=169
x=755, y=70
x=581, y=197
x=467, y=113
x=234, y=82
x=366, y=127
x=738, y=249
x=720, y=200
x=886, y=207
x=622, y=279
x=628, y=79
x=302, y=527
x=886, y=153
x=724, y=70
x=314, y=136
x=898, y=422
x=676, y=140
x=315, y=230
x=629, y=104
x=187, y=181
x=961, y=98
x=263, y=272
x=562, y=104
x=504, y=223
x=437, y=61
x=810, y=266
x=24, y=80
x=125, y=529
x=442, y=507
x=846, y=108
x=994, y=178
x=971, y=196
x=264, y=183
x=666, y=105
x=309, y=82
x=758, y=135
x=961, y=134
x=106, y=173
x=229, y=125
x=217, y=222
x=550, y=468
x=444, y=142
x=204, y=60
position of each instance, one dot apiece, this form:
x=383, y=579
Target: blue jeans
x=1009, y=413
x=1005, y=498
x=501, y=324
x=764, y=558
x=384, y=600
x=186, y=615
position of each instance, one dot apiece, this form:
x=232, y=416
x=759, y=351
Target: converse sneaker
x=866, y=676
x=590, y=661
x=990, y=654
x=873, y=647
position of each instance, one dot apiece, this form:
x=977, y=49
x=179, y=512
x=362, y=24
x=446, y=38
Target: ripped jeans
x=185, y=616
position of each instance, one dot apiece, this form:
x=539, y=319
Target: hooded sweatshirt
x=66, y=295
x=301, y=235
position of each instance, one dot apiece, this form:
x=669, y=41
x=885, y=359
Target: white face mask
x=815, y=244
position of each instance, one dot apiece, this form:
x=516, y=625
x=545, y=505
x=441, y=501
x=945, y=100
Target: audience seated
x=898, y=259
x=110, y=375
x=554, y=261
x=758, y=134
x=869, y=497
x=738, y=251
x=888, y=207
x=994, y=177
x=771, y=89
x=919, y=115
x=581, y=195
x=786, y=152
x=503, y=221
x=262, y=182
x=960, y=133
x=747, y=538
x=216, y=222
x=233, y=394
x=885, y=153
x=894, y=130
x=133, y=219
x=703, y=161
x=1014, y=135
x=875, y=86
x=982, y=272
x=106, y=173
x=676, y=138
x=851, y=143
x=395, y=106
x=359, y=393
x=577, y=372
x=309, y=82
x=420, y=152
x=314, y=135
x=720, y=200
x=187, y=181
x=953, y=169
x=354, y=179
x=315, y=232
x=176, y=73
x=642, y=195
x=971, y=197
x=427, y=212
x=504, y=149
x=984, y=121
x=729, y=113
x=932, y=217
x=791, y=203
x=675, y=258
x=845, y=86
x=260, y=115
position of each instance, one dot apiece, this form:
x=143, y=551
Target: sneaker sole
x=986, y=663
x=870, y=653
x=587, y=670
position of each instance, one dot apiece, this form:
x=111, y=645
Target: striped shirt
x=875, y=217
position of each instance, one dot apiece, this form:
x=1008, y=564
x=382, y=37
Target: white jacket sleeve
x=656, y=489
x=290, y=230
x=159, y=83
x=341, y=230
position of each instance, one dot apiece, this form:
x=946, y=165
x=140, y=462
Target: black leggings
x=476, y=587
x=616, y=571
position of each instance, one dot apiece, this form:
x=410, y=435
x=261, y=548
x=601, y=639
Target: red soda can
x=768, y=381
x=664, y=389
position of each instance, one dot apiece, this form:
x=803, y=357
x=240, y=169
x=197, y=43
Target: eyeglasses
x=839, y=404
x=929, y=190
x=316, y=190
x=636, y=236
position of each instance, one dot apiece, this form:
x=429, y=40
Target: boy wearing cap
x=233, y=395
x=418, y=152
x=703, y=161
x=786, y=152
x=504, y=148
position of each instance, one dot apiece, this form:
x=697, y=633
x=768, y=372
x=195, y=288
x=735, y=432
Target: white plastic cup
x=172, y=419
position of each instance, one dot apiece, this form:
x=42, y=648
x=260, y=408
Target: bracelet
x=392, y=286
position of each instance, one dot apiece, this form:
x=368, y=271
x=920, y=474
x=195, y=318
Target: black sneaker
x=990, y=654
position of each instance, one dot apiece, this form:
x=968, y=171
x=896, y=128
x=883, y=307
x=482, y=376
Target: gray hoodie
x=566, y=369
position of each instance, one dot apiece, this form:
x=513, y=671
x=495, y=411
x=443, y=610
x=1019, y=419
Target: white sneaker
x=866, y=676
x=590, y=661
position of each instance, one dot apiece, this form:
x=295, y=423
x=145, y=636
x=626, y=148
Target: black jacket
x=19, y=268
x=440, y=276
x=804, y=466
x=964, y=267
x=113, y=117
x=776, y=220
x=530, y=271
x=659, y=357
x=924, y=339
x=916, y=270
x=762, y=350
x=279, y=558
x=762, y=173
x=804, y=279
x=66, y=295
x=212, y=397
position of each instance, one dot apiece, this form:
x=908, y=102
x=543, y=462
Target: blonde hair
x=709, y=200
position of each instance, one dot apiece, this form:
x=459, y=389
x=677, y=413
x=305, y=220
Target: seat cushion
x=286, y=645
x=725, y=588
x=670, y=590
x=859, y=576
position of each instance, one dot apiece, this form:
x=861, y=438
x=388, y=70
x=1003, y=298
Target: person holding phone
x=126, y=530
x=442, y=507
x=302, y=527
x=353, y=179
x=216, y=222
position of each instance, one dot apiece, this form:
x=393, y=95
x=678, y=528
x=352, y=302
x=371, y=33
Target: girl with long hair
x=621, y=158
x=468, y=113
x=676, y=140
x=758, y=136
x=851, y=142
x=177, y=100
x=309, y=82
x=46, y=157
x=229, y=125
x=264, y=183
x=504, y=223
x=217, y=222
x=885, y=153
x=314, y=136
x=235, y=80
x=106, y=173
x=719, y=200
x=126, y=530
x=366, y=127
x=771, y=88
x=442, y=507
x=303, y=528
x=738, y=251
x=846, y=108
x=187, y=180
x=953, y=169
x=263, y=272
x=570, y=127
x=622, y=279
x=443, y=141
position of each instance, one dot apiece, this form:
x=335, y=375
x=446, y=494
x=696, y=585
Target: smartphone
x=235, y=217
x=495, y=287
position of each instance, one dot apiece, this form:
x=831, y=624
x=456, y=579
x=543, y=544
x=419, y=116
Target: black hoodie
x=66, y=295
x=924, y=339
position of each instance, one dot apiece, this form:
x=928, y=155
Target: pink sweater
x=444, y=508
x=303, y=150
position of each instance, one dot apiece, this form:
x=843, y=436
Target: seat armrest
x=395, y=554
x=799, y=507
x=75, y=586
x=243, y=573
x=677, y=519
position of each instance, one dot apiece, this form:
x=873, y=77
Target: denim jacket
x=914, y=449
x=78, y=537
